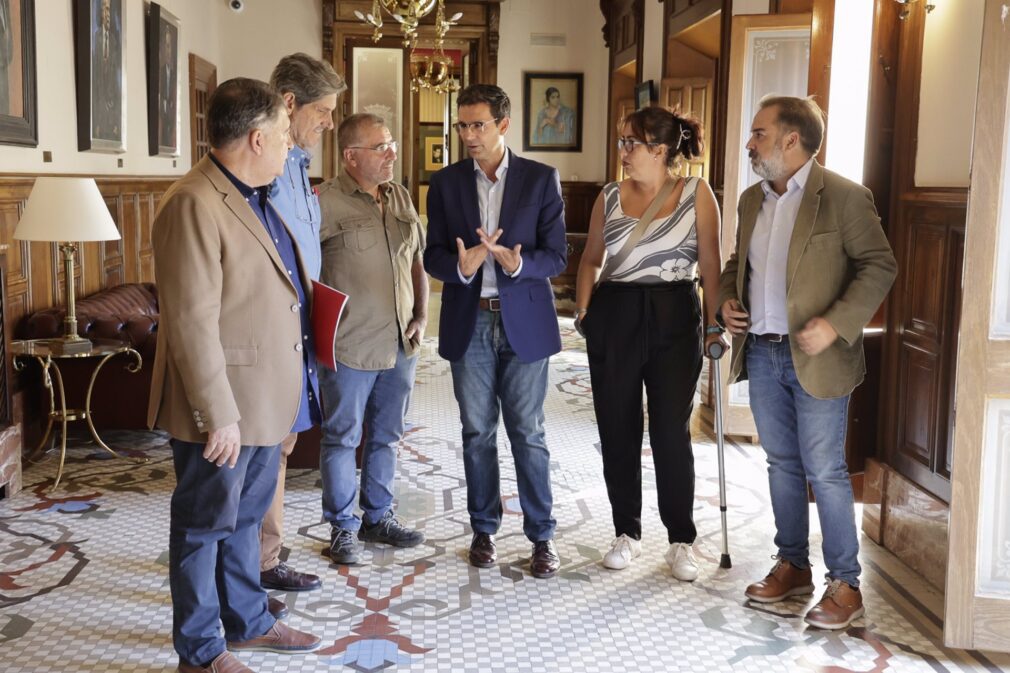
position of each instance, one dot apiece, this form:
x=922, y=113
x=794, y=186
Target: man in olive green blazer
x=232, y=375
x=811, y=266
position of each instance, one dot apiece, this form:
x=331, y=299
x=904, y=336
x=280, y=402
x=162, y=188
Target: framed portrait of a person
x=163, y=127
x=99, y=48
x=431, y=145
x=552, y=112
x=18, y=96
x=644, y=94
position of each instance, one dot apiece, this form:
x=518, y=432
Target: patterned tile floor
x=84, y=582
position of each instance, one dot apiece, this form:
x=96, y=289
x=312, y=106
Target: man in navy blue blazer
x=496, y=235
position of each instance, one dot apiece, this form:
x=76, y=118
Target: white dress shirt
x=768, y=254
x=489, y=200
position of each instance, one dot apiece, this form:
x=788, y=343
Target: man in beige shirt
x=372, y=243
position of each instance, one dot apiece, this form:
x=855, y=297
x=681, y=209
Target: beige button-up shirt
x=369, y=255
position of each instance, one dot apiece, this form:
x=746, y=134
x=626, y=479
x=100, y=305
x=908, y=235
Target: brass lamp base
x=67, y=346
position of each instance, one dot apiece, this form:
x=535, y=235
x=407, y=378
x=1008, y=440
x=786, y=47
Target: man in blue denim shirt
x=310, y=88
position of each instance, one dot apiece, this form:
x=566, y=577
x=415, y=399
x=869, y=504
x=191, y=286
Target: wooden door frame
x=200, y=70
x=971, y=620
x=337, y=28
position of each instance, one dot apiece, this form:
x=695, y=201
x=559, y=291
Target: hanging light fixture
x=408, y=13
x=434, y=70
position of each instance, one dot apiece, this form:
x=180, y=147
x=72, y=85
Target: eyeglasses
x=381, y=147
x=477, y=127
x=629, y=144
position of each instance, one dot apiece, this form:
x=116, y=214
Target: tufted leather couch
x=127, y=313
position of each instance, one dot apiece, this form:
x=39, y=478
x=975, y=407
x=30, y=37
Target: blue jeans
x=353, y=397
x=214, y=549
x=489, y=377
x=804, y=439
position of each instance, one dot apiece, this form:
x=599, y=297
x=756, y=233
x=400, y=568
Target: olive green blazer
x=840, y=267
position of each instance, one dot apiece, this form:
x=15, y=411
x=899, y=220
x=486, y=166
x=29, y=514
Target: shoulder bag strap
x=639, y=230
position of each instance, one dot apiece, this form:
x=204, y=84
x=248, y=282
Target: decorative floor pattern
x=84, y=579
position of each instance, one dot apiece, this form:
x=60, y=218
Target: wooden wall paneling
x=35, y=270
x=822, y=24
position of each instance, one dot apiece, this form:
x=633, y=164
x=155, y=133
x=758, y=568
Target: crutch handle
x=716, y=350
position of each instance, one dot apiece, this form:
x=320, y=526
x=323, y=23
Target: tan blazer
x=229, y=334
x=840, y=267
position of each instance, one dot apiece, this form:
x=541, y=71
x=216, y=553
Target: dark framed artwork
x=644, y=94
x=432, y=148
x=552, y=111
x=18, y=120
x=163, y=128
x=99, y=31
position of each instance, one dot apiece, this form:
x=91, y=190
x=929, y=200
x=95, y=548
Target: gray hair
x=349, y=131
x=309, y=79
x=239, y=106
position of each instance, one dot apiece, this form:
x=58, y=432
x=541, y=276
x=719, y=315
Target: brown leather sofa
x=127, y=313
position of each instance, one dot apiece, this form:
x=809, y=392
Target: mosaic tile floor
x=84, y=582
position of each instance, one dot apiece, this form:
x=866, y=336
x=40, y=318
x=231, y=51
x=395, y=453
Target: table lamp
x=67, y=210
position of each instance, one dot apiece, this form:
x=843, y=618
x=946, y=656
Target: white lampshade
x=66, y=209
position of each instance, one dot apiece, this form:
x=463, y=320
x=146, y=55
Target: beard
x=770, y=168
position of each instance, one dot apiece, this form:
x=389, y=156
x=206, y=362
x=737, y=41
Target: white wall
x=582, y=24
x=652, y=54
x=239, y=44
x=951, y=52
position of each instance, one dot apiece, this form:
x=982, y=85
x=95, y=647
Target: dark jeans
x=489, y=380
x=214, y=548
x=646, y=334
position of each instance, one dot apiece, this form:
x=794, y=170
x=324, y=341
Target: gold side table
x=39, y=350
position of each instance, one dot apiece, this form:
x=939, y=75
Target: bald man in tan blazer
x=231, y=376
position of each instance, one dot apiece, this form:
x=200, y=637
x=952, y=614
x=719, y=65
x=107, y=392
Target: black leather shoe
x=482, y=551
x=545, y=561
x=285, y=578
x=277, y=608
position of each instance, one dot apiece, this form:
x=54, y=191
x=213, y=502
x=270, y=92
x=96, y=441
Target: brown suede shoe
x=840, y=606
x=783, y=581
x=224, y=663
x=545, y=561
x=282, y=639
x=482, y=551
x=277, y=608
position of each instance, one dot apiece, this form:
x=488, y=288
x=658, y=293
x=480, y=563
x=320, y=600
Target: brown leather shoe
x=482, y=551
x=545, y=561
x=840, y=606
x=285, y=578
x=282, y=639
x=783, y=581
x=277, y=608
x=224, y=663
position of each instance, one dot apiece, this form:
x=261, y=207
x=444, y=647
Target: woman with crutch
x=641, y=316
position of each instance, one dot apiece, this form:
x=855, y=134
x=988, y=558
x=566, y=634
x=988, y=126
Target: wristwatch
x=714, y=329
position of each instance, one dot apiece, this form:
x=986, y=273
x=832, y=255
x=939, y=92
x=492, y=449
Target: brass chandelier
x=408, y=13
x=434, y=71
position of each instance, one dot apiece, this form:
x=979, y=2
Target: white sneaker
x=622, y=551
x=682, y=562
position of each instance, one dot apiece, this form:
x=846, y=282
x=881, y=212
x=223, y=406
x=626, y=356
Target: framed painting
x=644, y=94
x=163, y=127
x=18, y=121
x=432, y=149
x=552, y=112
x=99, y=32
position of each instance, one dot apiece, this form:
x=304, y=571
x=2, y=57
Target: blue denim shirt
x=294, y=198
x=308, y=410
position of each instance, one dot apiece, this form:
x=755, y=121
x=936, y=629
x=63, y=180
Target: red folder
x=327, y=307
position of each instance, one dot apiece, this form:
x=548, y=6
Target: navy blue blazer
x=533, y=215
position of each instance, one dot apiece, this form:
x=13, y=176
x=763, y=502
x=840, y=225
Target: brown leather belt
x=490, y=303
x=769, y=338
